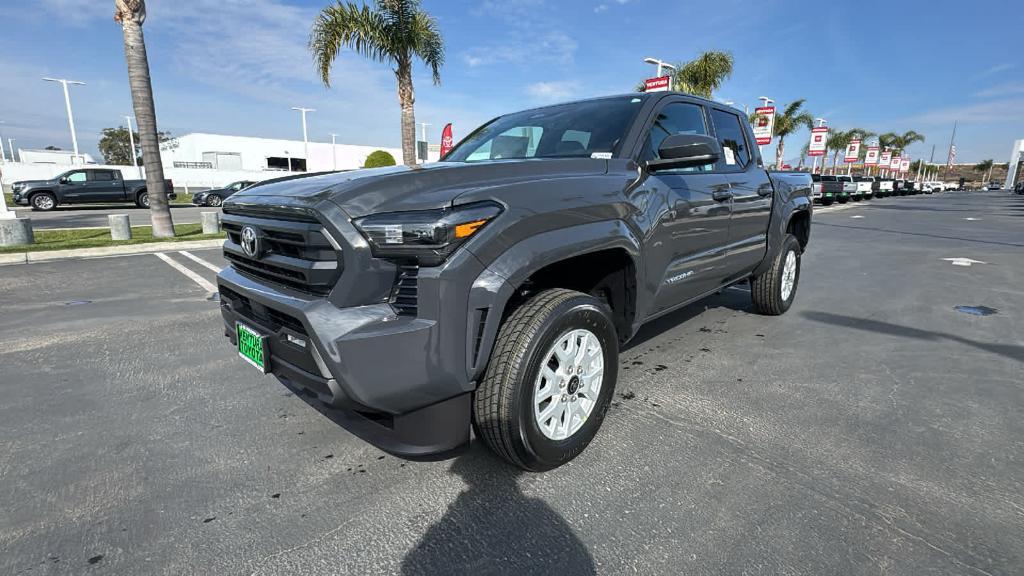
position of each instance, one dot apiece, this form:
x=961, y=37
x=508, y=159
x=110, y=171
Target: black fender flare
x=791, y=203
x=493, y=288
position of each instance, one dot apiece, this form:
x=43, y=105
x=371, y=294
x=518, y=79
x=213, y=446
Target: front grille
x=296, y=253
x=405, y=297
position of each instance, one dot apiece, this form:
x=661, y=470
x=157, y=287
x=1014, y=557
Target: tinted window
x=828, y=178
x=735, y=153
x=101, y=176
x=676, y=118
x=77, y=176
x=579, y=129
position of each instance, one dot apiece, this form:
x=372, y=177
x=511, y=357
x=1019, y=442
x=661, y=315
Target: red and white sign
x=852, y=152
x=895, y=164
x=659, y=84
x=886, y=159
x=764, y=124
x=871, y=156
x=905, y=165
x=447, y=142
x=819, y=138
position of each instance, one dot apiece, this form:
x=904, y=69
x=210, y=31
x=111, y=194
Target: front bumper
x=199, y=200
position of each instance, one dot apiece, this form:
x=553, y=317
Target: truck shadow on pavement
x=1011, y=351
x=493, y=528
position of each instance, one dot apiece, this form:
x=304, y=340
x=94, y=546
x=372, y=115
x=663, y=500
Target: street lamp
x=660, y=64
x=305, y=138
x=131, y=142
x=334, y=151
x=67, y=102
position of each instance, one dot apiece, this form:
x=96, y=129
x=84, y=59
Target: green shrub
x=379, y=158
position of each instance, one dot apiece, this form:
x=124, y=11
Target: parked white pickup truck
x=850, y=187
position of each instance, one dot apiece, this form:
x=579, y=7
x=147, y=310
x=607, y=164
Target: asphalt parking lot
x=873, y=429
x=93, y=216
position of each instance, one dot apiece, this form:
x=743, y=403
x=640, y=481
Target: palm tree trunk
x=145, y=117
x=780, y=149
x=407, y=98
x=835, y=161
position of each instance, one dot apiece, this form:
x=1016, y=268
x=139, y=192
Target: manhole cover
x=976, y=310
x=77, y=302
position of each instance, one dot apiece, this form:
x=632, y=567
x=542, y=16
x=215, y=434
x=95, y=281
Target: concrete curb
x=106, y=251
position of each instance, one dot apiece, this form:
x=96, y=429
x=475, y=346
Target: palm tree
x=131, y=14
x=705, y=74
x=986, y=167
x=862, y=135
x=790, y=120
x=803, y=156
x=394, y=32
x=837, y=141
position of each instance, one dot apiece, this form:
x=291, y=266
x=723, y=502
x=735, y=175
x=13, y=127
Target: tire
x=142, y=199
x=214, y=200
x=843, y=199
x=507, y=415
x=826, y=201
x=767, y=290
x=43, y=202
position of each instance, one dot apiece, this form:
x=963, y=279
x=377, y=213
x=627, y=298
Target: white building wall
x=255, y=151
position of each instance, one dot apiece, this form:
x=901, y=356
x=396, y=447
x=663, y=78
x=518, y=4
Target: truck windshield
x=575, y=130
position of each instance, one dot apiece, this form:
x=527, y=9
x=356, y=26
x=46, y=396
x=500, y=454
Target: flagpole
x=951, y=138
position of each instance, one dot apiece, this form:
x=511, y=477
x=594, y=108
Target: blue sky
x=237, y=67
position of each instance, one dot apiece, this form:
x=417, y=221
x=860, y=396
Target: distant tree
x=131, y=14
x=792, y=118
x=704, y=74
x=393, y=32
x=378, y=159
x=837, y=141
x=51, y=147
x=803, y=156
x=986, y=167
x=115, y=146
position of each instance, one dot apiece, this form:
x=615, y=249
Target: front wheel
x=549, y=381
x=774, y=290
x=44, y=202
x=214, y=200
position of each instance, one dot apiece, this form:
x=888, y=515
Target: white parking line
x=202, y=282
x=199, y=260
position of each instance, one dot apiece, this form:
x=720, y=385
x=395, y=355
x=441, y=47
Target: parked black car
x=216, y=196
x=830, y=183
x=495, y=288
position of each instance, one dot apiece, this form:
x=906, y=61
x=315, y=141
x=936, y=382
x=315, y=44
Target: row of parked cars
x=843, y=188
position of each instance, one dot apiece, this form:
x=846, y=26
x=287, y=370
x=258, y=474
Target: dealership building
x=242, y=153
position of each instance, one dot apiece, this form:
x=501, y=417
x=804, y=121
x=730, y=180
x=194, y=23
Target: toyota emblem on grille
x=251, y=242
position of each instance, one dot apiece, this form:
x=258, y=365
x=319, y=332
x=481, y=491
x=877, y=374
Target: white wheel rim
x=145, y=199
x=569, y=384
x=44, y=202
x=789, y=275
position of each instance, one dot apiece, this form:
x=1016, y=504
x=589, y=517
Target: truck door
x=74, y=186
x=688, y=209
x=751, y=194
x=104, y=186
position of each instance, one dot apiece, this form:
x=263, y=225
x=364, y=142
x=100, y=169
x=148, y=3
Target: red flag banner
x=447, y=142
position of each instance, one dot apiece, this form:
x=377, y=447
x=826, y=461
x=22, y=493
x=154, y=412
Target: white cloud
x=1001, y=90
x=992, y=112
x=78, y=12
x=553, y=91
x=552, y=47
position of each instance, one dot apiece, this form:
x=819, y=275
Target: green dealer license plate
x=252, y=347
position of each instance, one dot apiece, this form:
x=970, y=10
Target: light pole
x=423, y=127
x=334, y=151
x=305, y=138
x=765, y=101
x=821, y=122
x=661, y=64
x=131, y=142
x=10, y=144
x=67, y=103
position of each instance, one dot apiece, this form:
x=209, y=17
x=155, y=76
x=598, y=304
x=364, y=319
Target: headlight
x=429, y=236
x=17, y=186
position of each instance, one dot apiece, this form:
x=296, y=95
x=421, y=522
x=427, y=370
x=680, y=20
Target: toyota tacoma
x=491, y=291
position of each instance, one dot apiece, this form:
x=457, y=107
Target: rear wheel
x=43, y=201
x=549, y=381
x=142, y=200
x=826, y=201
x=214, y=200
x=773, y=291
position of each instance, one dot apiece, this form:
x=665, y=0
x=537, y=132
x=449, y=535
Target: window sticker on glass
x=601, y=155
x=730, y=156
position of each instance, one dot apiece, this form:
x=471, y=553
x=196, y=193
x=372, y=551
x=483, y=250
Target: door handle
x=721, y=195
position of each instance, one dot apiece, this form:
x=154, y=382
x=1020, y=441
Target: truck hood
x=430, y=186
x=27, y=183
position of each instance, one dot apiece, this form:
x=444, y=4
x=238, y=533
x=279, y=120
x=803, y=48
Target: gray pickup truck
x=83, y=186
x=492, y=290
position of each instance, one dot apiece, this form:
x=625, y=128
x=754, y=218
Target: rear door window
x=732, y=138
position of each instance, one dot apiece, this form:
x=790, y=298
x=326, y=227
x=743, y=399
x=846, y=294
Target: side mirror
x=685, y=151
x=63, y=180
